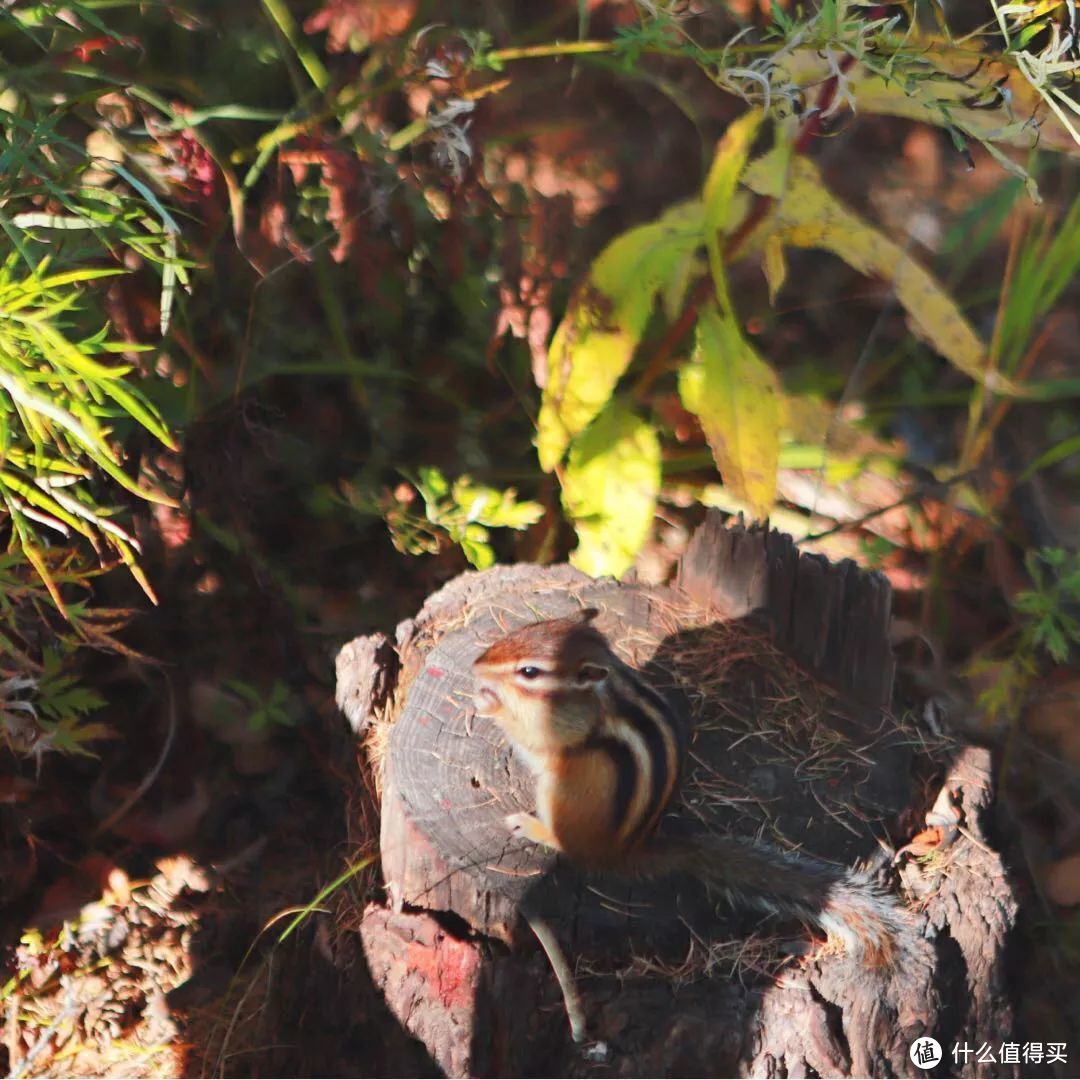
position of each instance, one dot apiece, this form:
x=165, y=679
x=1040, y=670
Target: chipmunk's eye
x=529, y=672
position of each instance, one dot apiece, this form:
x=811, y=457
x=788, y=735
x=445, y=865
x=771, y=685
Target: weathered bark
x=795, y=754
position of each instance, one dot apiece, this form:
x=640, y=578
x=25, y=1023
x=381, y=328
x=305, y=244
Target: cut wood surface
x=797, y=754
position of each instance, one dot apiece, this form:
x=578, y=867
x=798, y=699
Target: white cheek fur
x=488, y=703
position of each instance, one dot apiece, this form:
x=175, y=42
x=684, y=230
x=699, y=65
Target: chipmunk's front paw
x=529, y=828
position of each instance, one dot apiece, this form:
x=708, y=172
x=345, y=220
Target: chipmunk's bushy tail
x=846, y=904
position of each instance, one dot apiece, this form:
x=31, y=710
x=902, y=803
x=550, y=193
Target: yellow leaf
x=775, y=266
x=809, y=215
x=610, y=485
x=736, y=396
x=596, y=339
x=728, y=163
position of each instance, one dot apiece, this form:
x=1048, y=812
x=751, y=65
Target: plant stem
x=286, y=24
x=555, y=48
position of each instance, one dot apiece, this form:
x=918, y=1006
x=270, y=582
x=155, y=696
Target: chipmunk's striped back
x=644, y=734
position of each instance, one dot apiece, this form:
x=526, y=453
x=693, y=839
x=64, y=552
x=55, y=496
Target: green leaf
x=70, y=735
x=244, y=690
x=478, y=553
x=1064, y=449
x=514, y=515
x=610, y=485
x=433, y=484
x=1047, y=262
x=727, y=166
x=736, y=396
x=596, y=339
x=499, y=509
x=33, y=289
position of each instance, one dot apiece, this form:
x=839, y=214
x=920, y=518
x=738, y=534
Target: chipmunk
x=606, y=750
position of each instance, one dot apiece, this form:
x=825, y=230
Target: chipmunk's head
x=543, y=684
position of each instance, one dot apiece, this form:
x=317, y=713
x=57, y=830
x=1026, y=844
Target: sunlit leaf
x=479, y=553
x=140, y=410
x=728, y=163
x=596, y=339
x=433, y=484
x=25, y=544
x=9, y=482
x=775, y=266
x=168, y=283
x=464, y=510
x=809, y=215
x=489, y=506
x=736, y=396
x=17, y=293
x=130, y=559
x=610, y=485
x=42, y=406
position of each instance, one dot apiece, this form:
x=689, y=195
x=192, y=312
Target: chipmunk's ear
x=590, y=674
x=586, y=615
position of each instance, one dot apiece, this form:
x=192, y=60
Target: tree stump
x=783, y=663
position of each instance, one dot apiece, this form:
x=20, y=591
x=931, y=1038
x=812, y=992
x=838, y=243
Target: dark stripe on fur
x=651, y=727
x=663, y=705
x=626, y=775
